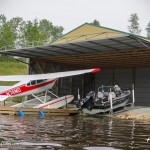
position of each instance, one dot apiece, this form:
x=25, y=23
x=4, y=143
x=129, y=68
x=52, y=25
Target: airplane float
x=37, y=83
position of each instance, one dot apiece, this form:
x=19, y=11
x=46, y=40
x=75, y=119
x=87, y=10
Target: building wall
x=85, y=83
x=142, y=86
x=124, y=78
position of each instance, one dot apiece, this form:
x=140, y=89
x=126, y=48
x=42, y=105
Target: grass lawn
x=12, y=68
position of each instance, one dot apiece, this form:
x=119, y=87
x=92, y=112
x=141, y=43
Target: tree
x=134, y=27
x=9, y=31
x=45, y=28
x=148, y=30
x=96, y=23
x=57, y=32
x=42, y=30
x=2, y=20
x=18, y=25
x=7, y=37
x=19, y=33
x=32, y=31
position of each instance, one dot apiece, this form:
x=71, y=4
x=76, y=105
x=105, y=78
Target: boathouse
x=124, y=59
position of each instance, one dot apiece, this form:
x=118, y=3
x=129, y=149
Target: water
x=73, y=133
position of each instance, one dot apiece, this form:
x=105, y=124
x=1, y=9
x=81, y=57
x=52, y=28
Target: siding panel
x=142, y=86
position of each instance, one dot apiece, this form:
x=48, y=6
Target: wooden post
x=66, y=102
x=133, y=96
x=82, y=85
x=133, y=87
x=111, y=104
x=113, y=77
x=78, y=94
x=70, y=85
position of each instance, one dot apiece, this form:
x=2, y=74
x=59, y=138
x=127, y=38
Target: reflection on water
x=72, y=132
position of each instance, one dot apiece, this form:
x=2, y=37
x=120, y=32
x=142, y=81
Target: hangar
x=124, y=59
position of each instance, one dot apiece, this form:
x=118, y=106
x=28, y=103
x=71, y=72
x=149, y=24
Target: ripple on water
x=75, y=132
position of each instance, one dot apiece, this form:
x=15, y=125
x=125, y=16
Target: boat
x=106, y=99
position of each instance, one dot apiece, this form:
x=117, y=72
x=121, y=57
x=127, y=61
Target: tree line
x=17, y=31
x=134, y=26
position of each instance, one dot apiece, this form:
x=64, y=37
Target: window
x=40, y=81
x=33, y=82
x=28, y=84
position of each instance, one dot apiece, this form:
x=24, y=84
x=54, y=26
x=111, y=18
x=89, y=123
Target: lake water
x=72, y=133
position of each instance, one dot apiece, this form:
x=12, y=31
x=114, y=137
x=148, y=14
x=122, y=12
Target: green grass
x=12, y=68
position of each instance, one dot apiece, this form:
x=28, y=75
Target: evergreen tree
x=96, y=23
x=148, y=30
x=134, y=27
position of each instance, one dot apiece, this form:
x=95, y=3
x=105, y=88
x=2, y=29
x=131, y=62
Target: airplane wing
x=47, y=76
x=2, y=98
x=2, y=88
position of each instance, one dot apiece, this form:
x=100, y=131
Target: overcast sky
x=72, y=13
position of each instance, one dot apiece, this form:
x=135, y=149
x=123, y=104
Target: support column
x=133, y=87
x=82, y=86
x=113, y=77
x=70, y=86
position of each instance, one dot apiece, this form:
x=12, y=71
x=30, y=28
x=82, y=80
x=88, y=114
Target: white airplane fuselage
x=32, y=87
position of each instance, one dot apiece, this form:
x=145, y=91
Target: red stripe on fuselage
x=24, y=88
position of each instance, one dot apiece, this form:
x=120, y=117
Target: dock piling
x=111, y=104
x=42, y=113
x=133, y=96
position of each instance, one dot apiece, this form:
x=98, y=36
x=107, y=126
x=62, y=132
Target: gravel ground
x=138, y=113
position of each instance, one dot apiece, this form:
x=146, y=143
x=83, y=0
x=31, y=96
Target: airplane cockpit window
x=34, y=82
x=40, y=81
x=28, y=84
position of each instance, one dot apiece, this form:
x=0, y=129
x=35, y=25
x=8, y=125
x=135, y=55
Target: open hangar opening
x=124, y=60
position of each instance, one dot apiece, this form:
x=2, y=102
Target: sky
x=73, y=13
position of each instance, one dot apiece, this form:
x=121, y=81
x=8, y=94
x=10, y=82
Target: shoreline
x=137, y=113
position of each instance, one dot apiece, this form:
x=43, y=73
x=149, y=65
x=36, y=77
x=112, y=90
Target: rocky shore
x=140, y=113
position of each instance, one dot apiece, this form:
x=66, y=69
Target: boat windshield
x=107, y=89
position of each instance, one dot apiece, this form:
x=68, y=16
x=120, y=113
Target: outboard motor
x=87, y=102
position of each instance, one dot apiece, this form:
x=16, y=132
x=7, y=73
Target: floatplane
x=37, y=83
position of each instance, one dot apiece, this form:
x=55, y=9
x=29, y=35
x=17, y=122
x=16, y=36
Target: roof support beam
x=53, y=51
x=103, y=45
x=123, y=43
x=35, y=52
x=66, y=48
x=18, y=54
x=84, y=47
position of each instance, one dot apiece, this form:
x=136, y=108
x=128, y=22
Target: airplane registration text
x=13, y=92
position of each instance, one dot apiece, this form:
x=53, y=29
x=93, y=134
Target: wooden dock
x=36, y=111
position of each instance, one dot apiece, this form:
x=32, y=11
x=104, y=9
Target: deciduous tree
x=19, y=33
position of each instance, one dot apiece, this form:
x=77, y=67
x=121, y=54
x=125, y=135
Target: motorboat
x=106, y=98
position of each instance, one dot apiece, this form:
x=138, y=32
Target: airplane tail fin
x=2, y=98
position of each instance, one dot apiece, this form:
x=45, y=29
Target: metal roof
x=91, y=53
